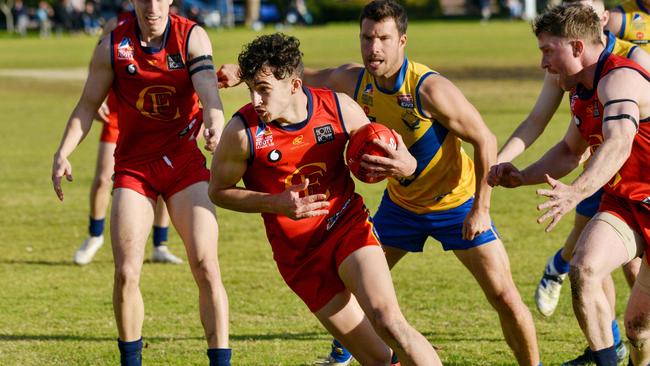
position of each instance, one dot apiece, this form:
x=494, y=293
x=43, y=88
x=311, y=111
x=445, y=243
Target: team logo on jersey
x=263, y=136
x=131, y=69
x=125, y=49
x=298, y=140
x=324, y=134
x=639, y=35
x=274, y=156
x=158, y=102
x=366, y=96
x=411, y=121
x=175, y=62
x=405, y=101
x=312, y=171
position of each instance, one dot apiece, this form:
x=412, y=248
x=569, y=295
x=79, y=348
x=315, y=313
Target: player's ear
x=402, y=40
x=604, y=19
x=578, y=47
x=296, y=85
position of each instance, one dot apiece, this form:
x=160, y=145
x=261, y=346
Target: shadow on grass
x=308, y=336
x=39, y=262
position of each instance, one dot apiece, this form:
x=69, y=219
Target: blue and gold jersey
x=635, y=25
x=444, y=178
x=620, y=47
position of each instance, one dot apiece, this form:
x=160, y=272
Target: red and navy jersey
x=111, y=100
x=282, y=156
x=632, y=181
x=158, y=111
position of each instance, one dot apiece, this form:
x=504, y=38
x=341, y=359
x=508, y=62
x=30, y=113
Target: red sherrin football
x=361, y=143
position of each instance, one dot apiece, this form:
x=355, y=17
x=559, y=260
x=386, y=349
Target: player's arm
x=100, y=78
x=620, y=93
x=443, y=101
x=342, y=79
x=615, y=21
x=201, y=71
x=641, y=57
x=557, y=162
x=620, y=98
x=533, y=126
x=229, y=165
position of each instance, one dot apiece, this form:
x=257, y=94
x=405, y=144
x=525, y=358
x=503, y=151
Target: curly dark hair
x=279, y=52
x=379, y=10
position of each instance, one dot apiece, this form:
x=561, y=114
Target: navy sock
x=616, y=333
x=96, y=227
x=605, y=356
x=160, y=235
x=130, y=352
x=219, y=356
x=561, y=266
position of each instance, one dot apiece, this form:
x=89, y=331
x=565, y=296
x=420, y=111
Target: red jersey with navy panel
x=158, y=113
x=287, y=155
x=632, y=181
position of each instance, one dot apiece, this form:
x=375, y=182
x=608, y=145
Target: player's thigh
x=105, y=161
x=601, y=248
x=161, y=217
x=193, y=215
x=490, y=266
x=579, y=223
x=365, y=273
x=131, y=217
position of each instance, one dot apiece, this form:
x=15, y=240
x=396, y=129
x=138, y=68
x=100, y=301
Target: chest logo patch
x=175, y=62
x=324, y=134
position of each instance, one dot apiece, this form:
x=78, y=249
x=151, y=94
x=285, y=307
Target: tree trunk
x=5, y=8
x=252, y=12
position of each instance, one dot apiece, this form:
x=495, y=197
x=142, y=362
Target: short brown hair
x=279, y=52
x=573, y=21
x=379, y=10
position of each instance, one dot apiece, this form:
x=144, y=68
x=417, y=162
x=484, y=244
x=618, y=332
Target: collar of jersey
x=398, y=83
x=153, y=50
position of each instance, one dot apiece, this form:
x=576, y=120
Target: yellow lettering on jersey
x=155, y=102
x=310, y=171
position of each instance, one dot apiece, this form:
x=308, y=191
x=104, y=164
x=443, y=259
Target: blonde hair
x=573, y=21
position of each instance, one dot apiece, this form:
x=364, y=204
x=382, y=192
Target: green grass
x=55, y=313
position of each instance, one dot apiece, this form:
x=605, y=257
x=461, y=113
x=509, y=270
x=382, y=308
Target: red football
x=361, y=143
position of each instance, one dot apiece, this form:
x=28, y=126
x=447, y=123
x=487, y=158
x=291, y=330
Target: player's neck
x=387, y=81
x=588, y=73
x=296, y=112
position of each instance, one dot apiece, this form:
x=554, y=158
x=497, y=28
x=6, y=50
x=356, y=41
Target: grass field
x=55, y=313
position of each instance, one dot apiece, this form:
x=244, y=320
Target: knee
x=206, y=272
x=506, y=299
x=127, y=276
x=388, y=322
x=102, y=181
x=582, y=276
x=636, y=329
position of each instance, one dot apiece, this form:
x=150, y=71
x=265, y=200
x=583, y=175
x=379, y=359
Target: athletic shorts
x=164, y=177
x=635, y=214
x=316, y=279
x=109, y=130
x=403, y=229
x=589, y=206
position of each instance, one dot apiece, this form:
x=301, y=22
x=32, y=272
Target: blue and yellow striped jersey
x=635, y=25
x=444, y=177
x=621, y=48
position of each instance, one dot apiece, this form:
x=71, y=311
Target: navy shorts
x=403, y=229
x=589, y=206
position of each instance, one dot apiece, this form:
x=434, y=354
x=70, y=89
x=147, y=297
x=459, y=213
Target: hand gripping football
x=361, y=143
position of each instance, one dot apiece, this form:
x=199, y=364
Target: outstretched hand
x=562, y=199
x=290, y=204
x=228, y=76
x=505, y=175
x=397, y=162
